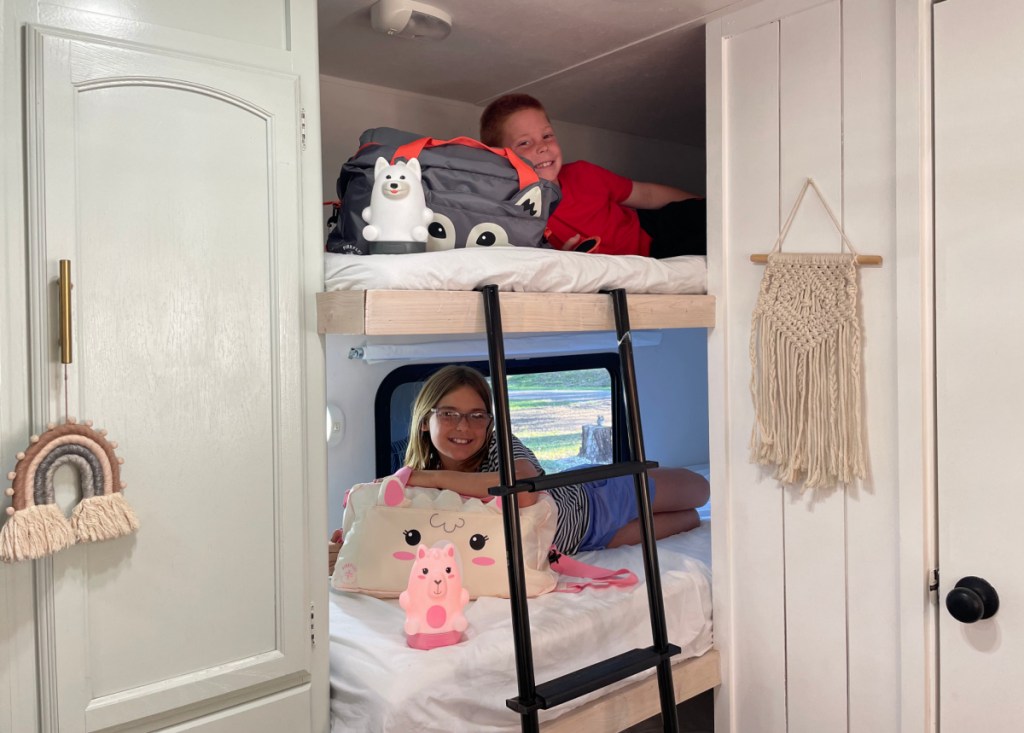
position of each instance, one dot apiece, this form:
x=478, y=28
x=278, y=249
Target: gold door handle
x=64, y=306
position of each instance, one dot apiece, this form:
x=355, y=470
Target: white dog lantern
x=397, y=217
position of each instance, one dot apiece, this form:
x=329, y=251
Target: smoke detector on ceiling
x=410, y=19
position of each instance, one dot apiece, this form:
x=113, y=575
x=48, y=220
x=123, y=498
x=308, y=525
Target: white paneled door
x=171, y=183
x=979, y=237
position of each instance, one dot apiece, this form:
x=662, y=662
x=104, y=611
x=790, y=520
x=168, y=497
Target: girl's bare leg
x=679, y=492
x=678, y=489
x=665, y=524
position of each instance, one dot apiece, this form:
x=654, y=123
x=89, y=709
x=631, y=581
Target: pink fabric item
x=596, y=576
x=403, y=475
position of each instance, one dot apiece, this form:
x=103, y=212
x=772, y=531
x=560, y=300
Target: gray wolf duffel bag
x=479, y=196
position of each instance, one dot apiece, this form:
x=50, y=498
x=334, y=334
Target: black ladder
x=533, y=697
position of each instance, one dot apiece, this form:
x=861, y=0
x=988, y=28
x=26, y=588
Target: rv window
x=565, y=409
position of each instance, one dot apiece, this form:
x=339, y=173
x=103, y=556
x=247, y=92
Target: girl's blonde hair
x=421, y=454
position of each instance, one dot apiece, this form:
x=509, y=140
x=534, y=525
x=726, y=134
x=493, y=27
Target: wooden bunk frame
x=438, y=312
x=638, y=701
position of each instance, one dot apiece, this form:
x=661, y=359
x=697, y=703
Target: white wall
x=807, y=606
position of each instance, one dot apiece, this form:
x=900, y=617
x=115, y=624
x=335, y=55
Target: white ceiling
x=633, y=66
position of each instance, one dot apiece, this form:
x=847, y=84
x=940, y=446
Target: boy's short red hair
x=492, y=121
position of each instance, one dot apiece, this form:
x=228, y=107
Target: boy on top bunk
x=600, y=211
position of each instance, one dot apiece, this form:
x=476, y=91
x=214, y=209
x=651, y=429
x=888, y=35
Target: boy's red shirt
x=591, y=206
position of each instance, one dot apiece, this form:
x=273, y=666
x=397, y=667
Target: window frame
x=411, y=373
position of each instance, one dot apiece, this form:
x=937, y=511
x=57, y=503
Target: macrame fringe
x=34, y=532
x=805, y=354
x=103, y=517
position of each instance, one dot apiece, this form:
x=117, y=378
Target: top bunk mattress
x=518, y=269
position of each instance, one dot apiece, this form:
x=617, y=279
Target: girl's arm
x=473, y=484
x=655, y=195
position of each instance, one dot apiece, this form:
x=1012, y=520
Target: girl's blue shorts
x=612, y=506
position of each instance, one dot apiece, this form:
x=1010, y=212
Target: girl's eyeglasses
x=475, y=419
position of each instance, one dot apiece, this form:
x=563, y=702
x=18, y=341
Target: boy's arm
x=473, y=484
x=655, y=195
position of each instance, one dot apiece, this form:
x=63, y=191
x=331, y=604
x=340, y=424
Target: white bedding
x=379, y=684
x=526, y=269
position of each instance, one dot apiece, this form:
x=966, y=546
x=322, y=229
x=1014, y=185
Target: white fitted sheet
x=524, y=269
x=379, y=684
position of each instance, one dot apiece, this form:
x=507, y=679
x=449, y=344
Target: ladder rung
x=576, y=476
x=603, y=673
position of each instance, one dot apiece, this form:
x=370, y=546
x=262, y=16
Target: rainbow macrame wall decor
x=36, y=526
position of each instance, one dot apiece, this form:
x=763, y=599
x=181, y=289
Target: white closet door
x=979, y=190
x=171, y=183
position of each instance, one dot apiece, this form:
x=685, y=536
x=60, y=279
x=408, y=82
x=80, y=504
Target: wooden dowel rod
x=861, y=259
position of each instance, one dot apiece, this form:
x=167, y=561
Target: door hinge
x=933, y=583
x=312, y=624
x=302, y=127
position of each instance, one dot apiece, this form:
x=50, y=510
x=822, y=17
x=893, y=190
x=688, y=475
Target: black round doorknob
x=972, y=599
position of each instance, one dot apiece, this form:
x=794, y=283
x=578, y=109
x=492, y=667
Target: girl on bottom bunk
x=453, y=446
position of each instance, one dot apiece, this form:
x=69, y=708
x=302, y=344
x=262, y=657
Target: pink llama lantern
x=434, y=599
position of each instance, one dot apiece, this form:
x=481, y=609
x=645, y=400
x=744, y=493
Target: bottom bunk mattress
x=378, y=684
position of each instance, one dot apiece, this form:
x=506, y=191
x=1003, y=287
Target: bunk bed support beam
x=435, y=312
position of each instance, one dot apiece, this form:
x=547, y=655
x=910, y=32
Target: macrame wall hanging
x=805, y=355
x=36, y=526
